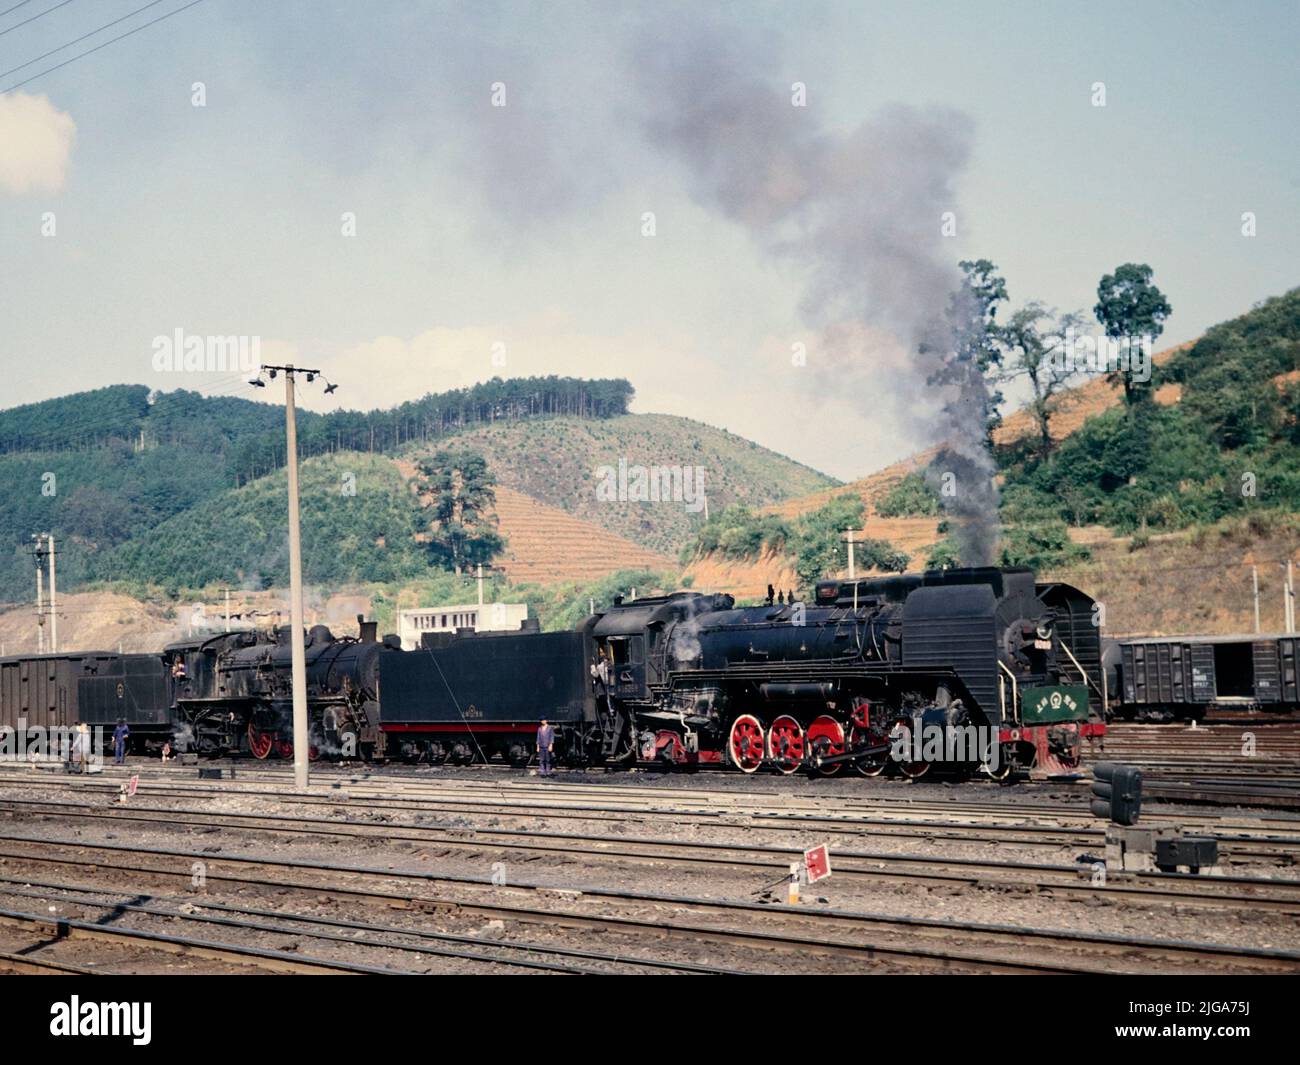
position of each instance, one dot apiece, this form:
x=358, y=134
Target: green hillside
x=1230, y=445
x=556, y=460
x=359, y=520
x=181, y=489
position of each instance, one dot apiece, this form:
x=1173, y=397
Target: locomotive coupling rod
x=819, y=760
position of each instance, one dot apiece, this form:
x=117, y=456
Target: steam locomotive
x=967, y=668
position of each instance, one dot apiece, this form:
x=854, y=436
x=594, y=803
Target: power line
x=23, y=3
x=90, y=51
x=20, y=25
x=107, y=25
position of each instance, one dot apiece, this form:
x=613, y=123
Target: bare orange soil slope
x=545, y=545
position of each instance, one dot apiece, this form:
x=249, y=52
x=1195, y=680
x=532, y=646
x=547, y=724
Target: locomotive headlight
x=1044, y=630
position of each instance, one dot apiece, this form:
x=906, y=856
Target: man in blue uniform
x=119, y=742
x=545, y=746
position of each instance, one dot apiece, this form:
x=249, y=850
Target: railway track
x=864, y=936
x=1240, y=892
x=1057, y=801
x=46, y=929
x=422, y=943
x=830, y=813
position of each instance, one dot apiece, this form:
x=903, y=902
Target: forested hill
x=251, y=435
x=175, y=488
x=101, y=468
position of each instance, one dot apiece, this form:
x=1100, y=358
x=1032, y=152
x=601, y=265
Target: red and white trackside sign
x=817, y=863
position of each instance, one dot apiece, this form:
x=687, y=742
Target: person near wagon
x=119, y=741
x=81, y=746
x=545, y=748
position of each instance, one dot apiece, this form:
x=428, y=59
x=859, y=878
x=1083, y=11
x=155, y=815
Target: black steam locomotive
x=870, y=674
x=867, y=675
x=234, y=691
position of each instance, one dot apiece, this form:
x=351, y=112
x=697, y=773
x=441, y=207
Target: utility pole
x=853, y=573
x=1290, y=599
x=1254, y=576
x=54, y=606
x=227, y=609
x=301, y=730
x=40, y=599
x=480, y=587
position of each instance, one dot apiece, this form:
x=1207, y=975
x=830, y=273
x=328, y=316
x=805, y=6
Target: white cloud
x=35, y=142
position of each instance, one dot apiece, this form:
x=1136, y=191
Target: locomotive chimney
x=369, y=629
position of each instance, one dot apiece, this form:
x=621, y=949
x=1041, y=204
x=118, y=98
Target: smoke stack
x=369, y=629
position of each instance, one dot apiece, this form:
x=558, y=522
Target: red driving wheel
x=745, y=745
x=259, y=742
x=826, y=737
x=785, y=744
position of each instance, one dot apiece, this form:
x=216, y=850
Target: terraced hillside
x=555, y=461
x=547, y=546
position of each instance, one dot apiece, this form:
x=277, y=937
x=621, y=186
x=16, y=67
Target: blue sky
x=522, y=225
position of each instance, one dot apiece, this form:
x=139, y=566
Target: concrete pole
x=852, y=572
x=1254, y=576
x=1290, y=599
x=227, y=609
x=54, y=606
x=40, y=601
x=480, y=587
x=301, y=738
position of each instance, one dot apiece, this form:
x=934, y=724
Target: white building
x=481, y=617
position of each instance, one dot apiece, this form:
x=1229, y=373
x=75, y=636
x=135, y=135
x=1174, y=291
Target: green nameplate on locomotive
x=1062, y=702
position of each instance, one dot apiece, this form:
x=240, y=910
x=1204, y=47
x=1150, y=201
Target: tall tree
x=979, y=335
x=1129, y=306
x=459, y=489
x=1028, y=341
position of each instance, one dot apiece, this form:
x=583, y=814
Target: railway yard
x=481, y=870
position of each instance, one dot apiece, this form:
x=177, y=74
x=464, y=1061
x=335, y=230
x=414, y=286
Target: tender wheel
x=785, y=744
x=745, y=744
x=259, y=742
x=826, y=737
x=873, y=765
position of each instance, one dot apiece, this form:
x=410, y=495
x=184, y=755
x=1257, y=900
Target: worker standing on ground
x=545, y=747
x=119, y=742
